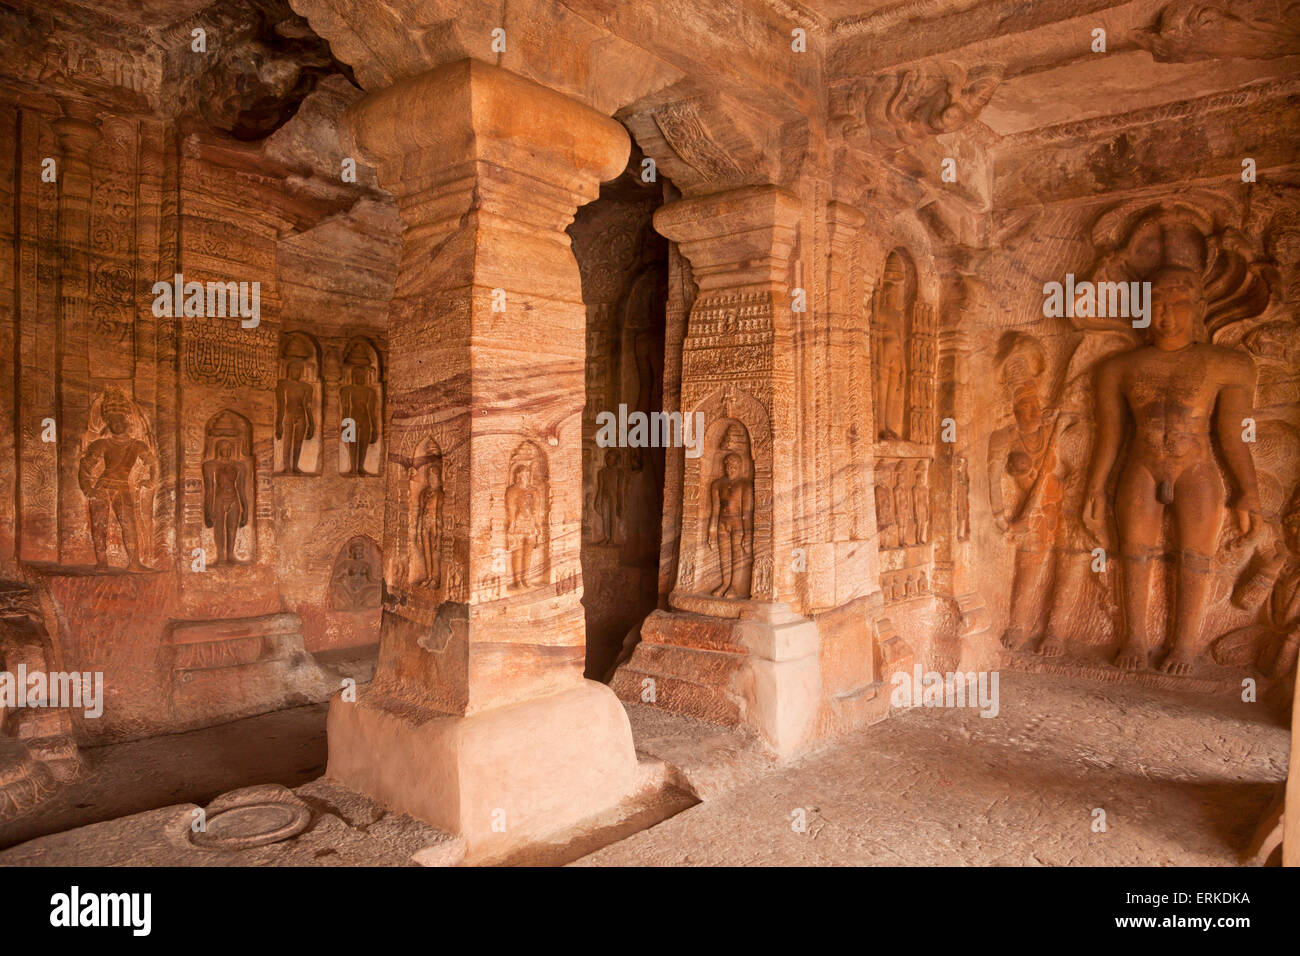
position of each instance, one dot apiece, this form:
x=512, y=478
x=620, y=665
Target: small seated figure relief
x=1184, y=396
x=359, y=402
x=294, y=421
x=355, y=584
x=105, y=476
x=524, y=509
x=226, y=487
x=1026, y=453
x=731, y=523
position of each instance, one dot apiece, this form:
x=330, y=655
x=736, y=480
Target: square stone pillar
x=479, y=719
x=731, y=650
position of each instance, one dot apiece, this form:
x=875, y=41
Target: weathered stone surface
x=744, y=355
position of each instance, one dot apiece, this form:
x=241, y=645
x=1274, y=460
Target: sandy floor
x=1182, y=780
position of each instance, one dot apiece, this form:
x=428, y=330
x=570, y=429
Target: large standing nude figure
x=1179, y=393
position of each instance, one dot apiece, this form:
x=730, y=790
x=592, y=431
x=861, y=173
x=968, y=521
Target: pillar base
x=501, y=778
x=760, y=674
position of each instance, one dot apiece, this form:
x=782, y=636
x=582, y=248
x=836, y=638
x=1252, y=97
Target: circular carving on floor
x=254, y=824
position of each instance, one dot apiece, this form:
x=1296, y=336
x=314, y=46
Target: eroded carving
x=117, y=473
x=356, y=583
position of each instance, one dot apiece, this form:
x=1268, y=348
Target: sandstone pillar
x=479, y=719
x=731, y=650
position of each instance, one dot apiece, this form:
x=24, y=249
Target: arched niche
x=298, y=406
x=361, y=409
x=736, y=423
x=229, y=490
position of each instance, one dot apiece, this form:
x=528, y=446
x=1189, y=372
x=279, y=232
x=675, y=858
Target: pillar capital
x=738, y=238
x=437, y=126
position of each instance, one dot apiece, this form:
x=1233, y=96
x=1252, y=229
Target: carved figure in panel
x=885, y=518
x=427, y=496
x=296, y=403
x=731, y=523
x=357, y=581
x=227, y=482
x=921, y=500
x=961, y=495
x=1272, y=587
x=359, y=404
x=611, y=493
x=1184, y=397
x=893, y=307
x=117, y=473
x=1023, y=458
x=900, y=486
x=526, y=504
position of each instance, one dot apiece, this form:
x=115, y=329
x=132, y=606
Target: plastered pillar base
x=501, y=778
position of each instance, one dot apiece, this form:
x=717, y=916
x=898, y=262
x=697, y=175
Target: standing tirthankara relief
x=117, y=472
x=426, y=506
x=228, y=487
x=298, y=407
x=891, y=320
x=611, y=496
x=1026, y=492
x=731, y=524
x=527, y=502
x=1135, y=510
x=361, y=410
x=1184, y=397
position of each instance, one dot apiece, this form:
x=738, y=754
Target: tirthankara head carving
x=1177, y=308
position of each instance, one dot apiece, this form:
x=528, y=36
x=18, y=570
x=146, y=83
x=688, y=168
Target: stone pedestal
x=762, y=672
x=479, y=693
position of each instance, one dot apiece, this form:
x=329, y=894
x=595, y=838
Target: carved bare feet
x=721, y=590
x=1132, y=657
x=1178, y=663
x=1013, y=639
x=1052, y=646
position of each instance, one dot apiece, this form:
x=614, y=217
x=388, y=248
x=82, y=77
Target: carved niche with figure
x=361, y=410
x=356, y=582
x=903, y=526
x=298, y=406
x=228, y=486
x=427, y=495
x=117, y=472
x=527, y=503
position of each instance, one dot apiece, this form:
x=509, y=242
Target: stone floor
x=1182, y=779
x=286, y=747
